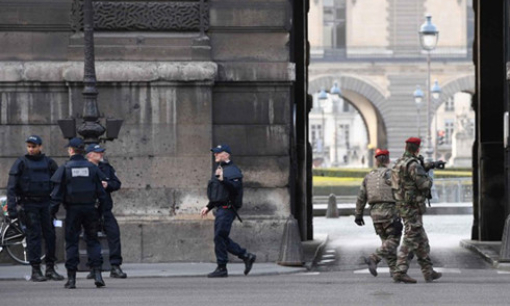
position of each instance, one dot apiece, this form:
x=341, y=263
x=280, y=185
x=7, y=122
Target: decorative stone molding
x=109, y=71
x=143, y=15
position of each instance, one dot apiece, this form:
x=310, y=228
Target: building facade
x=185, y=76
x=372, y=50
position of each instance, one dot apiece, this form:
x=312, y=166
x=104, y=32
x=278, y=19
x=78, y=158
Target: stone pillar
x=490, y=89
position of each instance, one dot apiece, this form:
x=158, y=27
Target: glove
x=359, y=220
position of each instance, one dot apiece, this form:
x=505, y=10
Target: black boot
x=91, y=274
x=221, y=271
x=249, y=259
x=98, y=278
x=117, y=272
x=51, y=273
x=71, y=280
x=372, y=265
x=37, y=275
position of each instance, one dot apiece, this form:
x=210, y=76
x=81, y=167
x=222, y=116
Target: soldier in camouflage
x=411, y=186
x=376, y=190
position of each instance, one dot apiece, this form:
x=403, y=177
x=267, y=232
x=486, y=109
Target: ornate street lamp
x=418, y=98
x=335, y=90
x=323, y=95
x=428, y=37
x=90, y=129
x=436, y=90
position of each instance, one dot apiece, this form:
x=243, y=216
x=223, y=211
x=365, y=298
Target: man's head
x=413, y=145
x=221, y=153
x=94, y=153
x=34, y=145
x=75, y=146
x=382, y=157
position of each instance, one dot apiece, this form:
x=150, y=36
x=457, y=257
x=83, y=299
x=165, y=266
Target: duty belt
x=34, y=199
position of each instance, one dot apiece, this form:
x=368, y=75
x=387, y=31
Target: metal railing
x=454, y=190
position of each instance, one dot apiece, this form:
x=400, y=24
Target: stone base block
x=192, y=240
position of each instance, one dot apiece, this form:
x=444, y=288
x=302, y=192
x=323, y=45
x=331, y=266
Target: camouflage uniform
x=377, y=192
x=411, y=186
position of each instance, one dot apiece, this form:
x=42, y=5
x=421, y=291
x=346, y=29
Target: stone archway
x=462, y=84
x=366, y=98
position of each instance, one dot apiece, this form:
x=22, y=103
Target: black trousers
x=39, y=226
x=78, y=216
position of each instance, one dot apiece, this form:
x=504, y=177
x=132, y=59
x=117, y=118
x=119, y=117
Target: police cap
x=94, y=147
x=221, y=148
x=34, y=139
x=75, y=143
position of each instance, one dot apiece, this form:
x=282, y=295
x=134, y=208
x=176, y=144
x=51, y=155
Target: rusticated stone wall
x=179, y=92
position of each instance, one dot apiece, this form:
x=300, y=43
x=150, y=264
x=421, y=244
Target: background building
x=372, y=49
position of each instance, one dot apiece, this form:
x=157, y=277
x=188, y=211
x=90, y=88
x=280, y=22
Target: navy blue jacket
x=233, y=181
x=59, y=193
x=113, y=182
x=14, y=193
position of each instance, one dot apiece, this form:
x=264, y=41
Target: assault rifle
x=438, y=164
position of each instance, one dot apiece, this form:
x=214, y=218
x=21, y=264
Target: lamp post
x=418, y=98
x=90, y=128
x=335, y=91
x=323, y=95
x=428, y=38
x=436, y=93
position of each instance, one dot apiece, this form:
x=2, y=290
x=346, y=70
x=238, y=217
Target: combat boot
x=249, y=259
x=117, y=272
x=51, y=274
x=37, y=275
x=71, y=280
x=372, y=265
x=221, y=271
x=432, y=277
x=98, y=278
x=403, y=278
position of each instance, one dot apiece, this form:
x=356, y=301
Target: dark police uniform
x=29, y=185
x=78, y=186
x=225, y=215
x=111, y=226
x=227, y=197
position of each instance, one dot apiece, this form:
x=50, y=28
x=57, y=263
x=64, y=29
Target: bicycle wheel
x=15, y=243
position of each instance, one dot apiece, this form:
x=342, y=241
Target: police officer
x=78, y=186
x=95, y=155
x=376, y=190
x=29, y=185
x=411, y=186
x=227, y=176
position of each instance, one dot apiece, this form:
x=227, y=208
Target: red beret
x=414, y=140
x=381, y=152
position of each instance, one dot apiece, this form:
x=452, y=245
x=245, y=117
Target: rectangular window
x=449, y=105
x=448, y=128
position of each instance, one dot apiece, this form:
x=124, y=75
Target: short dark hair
x=79, y=150
x=412, y=147
x=382, y=160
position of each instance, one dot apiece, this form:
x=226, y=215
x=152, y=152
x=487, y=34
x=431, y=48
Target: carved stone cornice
x=181, y=16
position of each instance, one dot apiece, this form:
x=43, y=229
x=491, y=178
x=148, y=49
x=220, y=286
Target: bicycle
x=13, y=236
